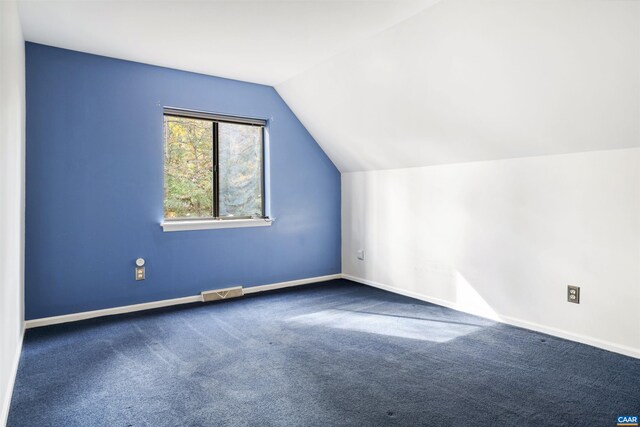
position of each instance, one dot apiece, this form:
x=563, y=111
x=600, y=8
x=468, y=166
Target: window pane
x=188, y=168
x=240, y=174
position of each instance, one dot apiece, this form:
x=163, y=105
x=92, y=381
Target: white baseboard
x=6, y=405
x=605, y=345
x=45, y=321
x=74, y=317
x=273, y=286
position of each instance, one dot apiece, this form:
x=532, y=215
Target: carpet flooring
x=332, y=354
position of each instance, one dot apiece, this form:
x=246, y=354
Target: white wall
x=504, y=238
x=12, y=113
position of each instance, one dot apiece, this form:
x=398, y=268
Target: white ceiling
x=392, y=84
x=469, y=80
x=258, y=41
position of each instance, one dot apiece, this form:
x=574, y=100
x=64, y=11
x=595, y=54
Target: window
x=213, y=167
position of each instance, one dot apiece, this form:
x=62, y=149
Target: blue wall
x=94, y=188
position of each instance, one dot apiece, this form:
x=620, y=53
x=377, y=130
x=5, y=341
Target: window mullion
x=216, y=168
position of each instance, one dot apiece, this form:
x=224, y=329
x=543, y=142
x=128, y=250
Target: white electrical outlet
x=360, y=254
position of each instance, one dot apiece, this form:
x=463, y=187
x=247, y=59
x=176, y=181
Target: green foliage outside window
x=189, y=168
x=240, y=174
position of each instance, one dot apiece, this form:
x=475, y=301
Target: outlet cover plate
x=573, y=294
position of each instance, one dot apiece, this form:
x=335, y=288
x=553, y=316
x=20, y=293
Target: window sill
x=208, y=224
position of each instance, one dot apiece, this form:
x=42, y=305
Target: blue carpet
x=332, y=354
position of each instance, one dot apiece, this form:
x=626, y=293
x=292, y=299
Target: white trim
x=605, y=345
x=208, y=224
x=74, y=317
x=262, y=288
x=6, y=405
x=34, y=323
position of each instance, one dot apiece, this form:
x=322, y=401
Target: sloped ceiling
x=479, y=80
x=264, y=41
x=393, y=84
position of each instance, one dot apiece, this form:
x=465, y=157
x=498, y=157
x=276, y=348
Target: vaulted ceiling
x=393, y=84
x=469, y=80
